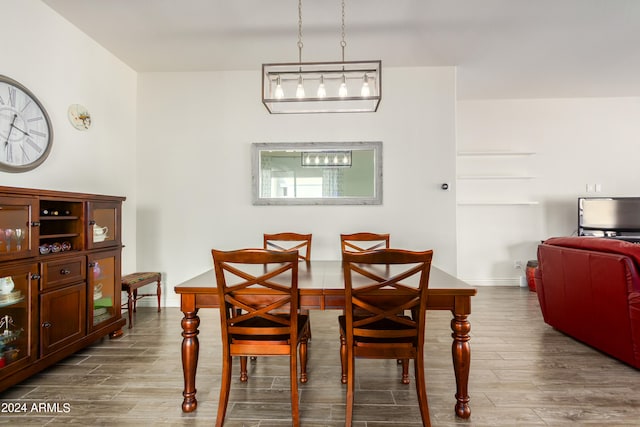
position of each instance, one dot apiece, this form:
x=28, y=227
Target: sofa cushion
x=600, y=244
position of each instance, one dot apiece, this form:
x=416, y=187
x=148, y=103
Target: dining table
x=321, y=287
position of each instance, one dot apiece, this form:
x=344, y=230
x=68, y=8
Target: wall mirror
x=317, y=173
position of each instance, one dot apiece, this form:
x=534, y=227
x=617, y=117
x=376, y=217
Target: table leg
x=190, y=350
x=461, y=352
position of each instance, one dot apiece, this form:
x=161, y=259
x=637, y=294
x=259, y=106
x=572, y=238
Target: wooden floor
x=522, y=373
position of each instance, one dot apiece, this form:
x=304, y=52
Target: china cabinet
x=59, y=276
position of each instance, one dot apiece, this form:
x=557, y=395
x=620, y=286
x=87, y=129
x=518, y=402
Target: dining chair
x=381, y=293
x=359, y=242
x=288, y=242
x=259, y=315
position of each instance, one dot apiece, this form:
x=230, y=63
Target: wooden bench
x=132, y=282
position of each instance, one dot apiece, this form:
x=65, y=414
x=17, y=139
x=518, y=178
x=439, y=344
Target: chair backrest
x=263, y=285
x=382, y=283
x=289, y=242
x=359, y=242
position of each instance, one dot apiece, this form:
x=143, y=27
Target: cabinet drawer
x=56, y=273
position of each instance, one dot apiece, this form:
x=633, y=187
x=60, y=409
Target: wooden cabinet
x=60, y=278
x=104, y=223
x=18, y=236
x=104, y=287
x=62, y=317
x=18, y=316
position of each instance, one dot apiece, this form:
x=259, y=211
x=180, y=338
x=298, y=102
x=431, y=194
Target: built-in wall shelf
x=495, y=153
x=498, y=203
x=495, y=177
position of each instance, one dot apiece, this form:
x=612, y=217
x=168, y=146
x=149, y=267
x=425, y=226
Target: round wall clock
x=79, y=116
x=26, y=134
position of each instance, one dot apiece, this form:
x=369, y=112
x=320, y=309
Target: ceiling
x=501, y=48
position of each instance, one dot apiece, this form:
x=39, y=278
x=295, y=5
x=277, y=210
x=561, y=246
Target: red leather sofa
x=589, y=288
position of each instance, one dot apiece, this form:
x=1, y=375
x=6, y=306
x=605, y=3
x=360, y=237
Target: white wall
x=194, y=181
x=177, y=146
x=576, y=141
x=62, y=66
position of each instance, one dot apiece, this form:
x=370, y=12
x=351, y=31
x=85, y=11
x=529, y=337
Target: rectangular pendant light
x=322, y=87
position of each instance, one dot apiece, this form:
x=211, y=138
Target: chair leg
x=350, y=388
x=129, y=308
x=293, y=373
x=405, y=371
x=303, y=357
x=159, y=293
x=343, y=358
x=243, y=369
x=225, y=386
x=135, y=299
x=421, y=389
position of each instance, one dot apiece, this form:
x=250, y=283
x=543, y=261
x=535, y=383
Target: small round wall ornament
x=79, y=116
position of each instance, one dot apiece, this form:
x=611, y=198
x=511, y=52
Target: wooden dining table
x=321, y=286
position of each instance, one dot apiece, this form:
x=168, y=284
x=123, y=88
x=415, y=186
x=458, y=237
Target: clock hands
x=14, y=126
x=15, y=116
x=11, y=126
x=7, y=146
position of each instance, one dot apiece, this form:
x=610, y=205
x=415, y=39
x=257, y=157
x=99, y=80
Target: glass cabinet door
x=103, y=277
x=17, y=236
x=104, y=224
x=18, y=311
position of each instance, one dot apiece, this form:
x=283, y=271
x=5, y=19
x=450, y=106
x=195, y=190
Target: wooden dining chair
x=381, y=293
x=359, y=242
x=289, y=242
x=259, y=315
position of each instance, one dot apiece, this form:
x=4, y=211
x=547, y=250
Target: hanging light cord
x=343, y=43
x=300, y=31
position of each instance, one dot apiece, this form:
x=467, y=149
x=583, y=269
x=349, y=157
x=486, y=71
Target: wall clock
x=26, y=134
x=79, y=116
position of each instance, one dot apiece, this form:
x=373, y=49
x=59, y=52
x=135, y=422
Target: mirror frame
x=258, y=147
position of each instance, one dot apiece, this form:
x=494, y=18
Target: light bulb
x=326, y=160
x=322, y=92
x=365, y=91
x=300, y=89
x=342, y=92
x=317, y=160
x=345, y=160
x=335, y=159
x=279, y=93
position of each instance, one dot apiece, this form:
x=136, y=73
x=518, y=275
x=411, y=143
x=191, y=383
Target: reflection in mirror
x=314, y=173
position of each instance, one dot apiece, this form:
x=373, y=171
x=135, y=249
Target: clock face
x=25, y=129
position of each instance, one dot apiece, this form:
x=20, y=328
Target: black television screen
x=609, y=213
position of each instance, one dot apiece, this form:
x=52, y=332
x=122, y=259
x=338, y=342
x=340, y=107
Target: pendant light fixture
x=321, y=87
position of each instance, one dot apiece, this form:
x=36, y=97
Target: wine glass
x=7, y=238
x=19, y=238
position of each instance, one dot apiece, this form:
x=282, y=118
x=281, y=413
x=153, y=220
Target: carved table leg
x=461, y=352
x=190, y=350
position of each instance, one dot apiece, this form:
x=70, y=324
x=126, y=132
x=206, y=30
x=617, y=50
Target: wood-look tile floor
x=522, y=373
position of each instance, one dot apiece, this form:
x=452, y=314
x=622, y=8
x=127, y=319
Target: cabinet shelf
x=8, y=303
x=58, y=218
x=58, y=236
